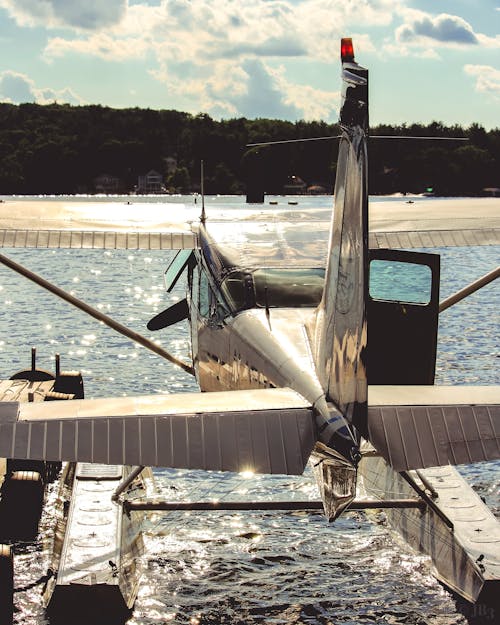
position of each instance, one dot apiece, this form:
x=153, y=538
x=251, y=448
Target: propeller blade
x=169, y=316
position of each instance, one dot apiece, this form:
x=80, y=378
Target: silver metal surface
x=339, y=329
x=430, y=395
x=434, y=238
x=362, y=504
x=86, y=554
x=435, y=214
x=126, y=482
x=414, y=437
x=280, y=240
x=96, y=560
x=458, y=532
x=104, y=225
x=274, y=434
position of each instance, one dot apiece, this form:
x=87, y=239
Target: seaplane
x=313, y=337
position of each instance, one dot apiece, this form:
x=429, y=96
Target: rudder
x=339, y=335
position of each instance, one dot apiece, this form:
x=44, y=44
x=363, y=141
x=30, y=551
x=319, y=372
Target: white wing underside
x=410, y=426
x=129, y=225
x=415, y=427
x=209, y=431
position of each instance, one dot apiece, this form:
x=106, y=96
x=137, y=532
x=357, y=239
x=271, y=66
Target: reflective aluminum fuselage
x=265, y=348
x=256, y=320
x=255, y=347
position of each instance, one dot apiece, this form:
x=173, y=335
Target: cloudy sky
x=428, y=59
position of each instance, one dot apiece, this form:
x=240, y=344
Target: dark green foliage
x=63, y=149
x=448, y=168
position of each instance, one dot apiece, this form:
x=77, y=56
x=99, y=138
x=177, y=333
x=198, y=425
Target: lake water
x=246, y=567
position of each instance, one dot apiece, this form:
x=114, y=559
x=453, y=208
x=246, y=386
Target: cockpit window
x=283, y=288
x=237, y=289
x=276, y=288
x=176, y=267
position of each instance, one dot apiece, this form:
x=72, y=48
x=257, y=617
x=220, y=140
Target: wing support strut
x=125, y=483
x=93, y=312
x=468, y=290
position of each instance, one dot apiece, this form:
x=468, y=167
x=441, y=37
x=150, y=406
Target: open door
x=403, y=308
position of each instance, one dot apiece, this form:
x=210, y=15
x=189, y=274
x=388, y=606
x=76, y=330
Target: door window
x=396, y=281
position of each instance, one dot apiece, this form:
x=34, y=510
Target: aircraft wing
x=210, y=431
x=104, y=225
x=415, y=427
x=55, y=223
x=434, y=222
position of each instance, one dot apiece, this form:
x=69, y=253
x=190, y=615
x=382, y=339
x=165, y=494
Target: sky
x=429, y=60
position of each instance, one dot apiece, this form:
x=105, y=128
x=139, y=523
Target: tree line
x=62, y=149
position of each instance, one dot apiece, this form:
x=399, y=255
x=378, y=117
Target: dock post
x=6, y=585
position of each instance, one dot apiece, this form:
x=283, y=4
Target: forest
x=63, y=149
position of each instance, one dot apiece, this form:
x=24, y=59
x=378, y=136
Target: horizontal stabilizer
x=415, y=427
x=210, y=431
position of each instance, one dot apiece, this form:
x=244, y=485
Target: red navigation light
x=346, y=49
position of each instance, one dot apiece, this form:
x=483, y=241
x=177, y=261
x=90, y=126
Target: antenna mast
x=203, y=216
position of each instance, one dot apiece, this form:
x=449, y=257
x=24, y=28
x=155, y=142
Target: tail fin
x=340, y=331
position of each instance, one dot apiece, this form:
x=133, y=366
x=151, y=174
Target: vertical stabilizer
x=340, y=331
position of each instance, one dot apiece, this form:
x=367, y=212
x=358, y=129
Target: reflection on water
x=246, y=567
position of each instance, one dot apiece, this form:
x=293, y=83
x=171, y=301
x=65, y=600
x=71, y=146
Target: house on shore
x=152, y=182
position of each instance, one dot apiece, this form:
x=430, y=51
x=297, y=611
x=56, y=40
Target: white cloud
x=220, y=53
x=204, y=29
x=18, y=88
x=99, y=45
x=251, y=89
x=447, y=29
x=487, y=79
x=261, y=96
x=393, y=49
x=215, y=51
x=488, y=42
x=269, y=94
x=423, y=30
x=77, y=14
x=312, y=103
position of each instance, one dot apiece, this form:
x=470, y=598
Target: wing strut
x=468, y=290
x=93, y=312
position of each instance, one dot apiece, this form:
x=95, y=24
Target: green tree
x=179, y=181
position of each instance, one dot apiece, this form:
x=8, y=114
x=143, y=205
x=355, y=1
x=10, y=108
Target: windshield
x=237, y=289
x=288, y=288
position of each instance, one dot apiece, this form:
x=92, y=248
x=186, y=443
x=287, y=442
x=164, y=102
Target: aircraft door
x=403, y=308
